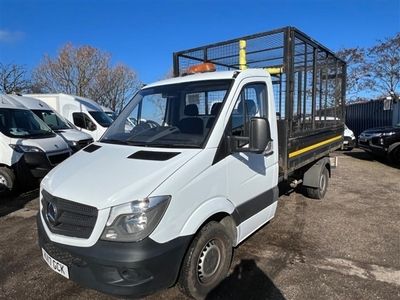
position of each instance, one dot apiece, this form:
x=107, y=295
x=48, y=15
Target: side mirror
x=260, y=135
x=91, y=126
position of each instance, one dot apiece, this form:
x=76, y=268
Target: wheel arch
x=218, y=209
x=311, y=176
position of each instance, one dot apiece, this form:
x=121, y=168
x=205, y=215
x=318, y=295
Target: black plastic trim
x=131, y=269
x=91, y=148
x=153, y=155
x=253, y=206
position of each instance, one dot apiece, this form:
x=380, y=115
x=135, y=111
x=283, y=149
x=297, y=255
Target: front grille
x=58, y=158
x=71, y=218
x=84, y=143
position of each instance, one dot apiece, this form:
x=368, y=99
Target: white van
x=84, y=113
x=109, y=112
x=75, y=138
x=28, y=147
x=167, y=198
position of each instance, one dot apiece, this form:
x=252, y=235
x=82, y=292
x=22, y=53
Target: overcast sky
x=143, y=34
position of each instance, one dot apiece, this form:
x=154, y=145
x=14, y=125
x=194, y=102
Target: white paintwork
x=70, y=134
x=8, y=156
x=198, y=188
x=66, y=105
x=349, y=133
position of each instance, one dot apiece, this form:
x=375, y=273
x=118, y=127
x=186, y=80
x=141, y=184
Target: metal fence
x=361, y=116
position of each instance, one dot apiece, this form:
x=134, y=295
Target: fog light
x=111, y=234
x=136, y=275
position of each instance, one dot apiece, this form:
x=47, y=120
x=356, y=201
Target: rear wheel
x=207, y=261
x=7, y=180
x=320, y=191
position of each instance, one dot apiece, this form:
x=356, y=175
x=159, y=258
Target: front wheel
x=7, y=180
x=394, y=156
x=207, y=261
x=320, y=191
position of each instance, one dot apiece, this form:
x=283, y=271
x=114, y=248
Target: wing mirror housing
x=259, y=140
x=260, y=135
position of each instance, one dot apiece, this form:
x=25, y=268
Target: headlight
x=24, y=148
x=388, y=133
x=131, y=222
x=72, y=143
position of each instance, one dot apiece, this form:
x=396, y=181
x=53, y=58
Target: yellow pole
x=242, y=55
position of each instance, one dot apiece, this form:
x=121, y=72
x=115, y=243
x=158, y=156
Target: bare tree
x=356, y=71
x=13, y=78
x=383, y=66
x=115, y=86
x=86, y=71
x=73, y=71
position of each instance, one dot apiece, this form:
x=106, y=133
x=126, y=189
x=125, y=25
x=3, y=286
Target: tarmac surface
x=346, y=246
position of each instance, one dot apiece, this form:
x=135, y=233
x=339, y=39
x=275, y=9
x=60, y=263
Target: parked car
x=383, y=141
x=29, y=149
x=82, y=112
x=349, y=139
x=75, y=138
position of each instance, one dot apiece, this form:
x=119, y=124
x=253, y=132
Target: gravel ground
x=344, y=247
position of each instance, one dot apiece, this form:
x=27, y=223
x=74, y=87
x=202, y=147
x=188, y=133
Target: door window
x=252, y=102
x=83, y=121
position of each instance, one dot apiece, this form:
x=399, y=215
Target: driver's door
x=251, y=177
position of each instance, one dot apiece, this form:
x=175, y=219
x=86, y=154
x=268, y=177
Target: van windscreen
x=22, y=123
x=101, y=118
x=173, y=116
x=52, y=119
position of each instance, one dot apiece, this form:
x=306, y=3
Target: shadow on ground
x=363, y=155
x=247, y=281
x=17, y=200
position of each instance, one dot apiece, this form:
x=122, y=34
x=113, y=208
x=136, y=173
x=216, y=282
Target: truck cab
x=29, y=149
x=167, y=198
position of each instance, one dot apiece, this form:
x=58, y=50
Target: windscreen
x=21, y=123
x=52, y=119
x=101, y=118
x=177, y=115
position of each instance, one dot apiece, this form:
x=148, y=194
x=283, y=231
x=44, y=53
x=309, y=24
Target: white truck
x=28, y=147
x=167, y=200
x=75, y=138
x=84, y=113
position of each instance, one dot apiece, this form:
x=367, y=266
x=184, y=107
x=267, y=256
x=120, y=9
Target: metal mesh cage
x=309, y=86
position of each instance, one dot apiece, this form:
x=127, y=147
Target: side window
x=252, y=102
x=83, y=121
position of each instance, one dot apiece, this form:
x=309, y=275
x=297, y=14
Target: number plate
x=55, y=265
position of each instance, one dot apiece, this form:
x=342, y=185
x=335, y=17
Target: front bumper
x=370, y=145
x=118, y=268
x=36, y=165
x=348, y=143
x=32, y=166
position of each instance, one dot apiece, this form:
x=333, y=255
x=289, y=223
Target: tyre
x=206, y=262
x=394, y=156
x=7, y=180
x=320, y=191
